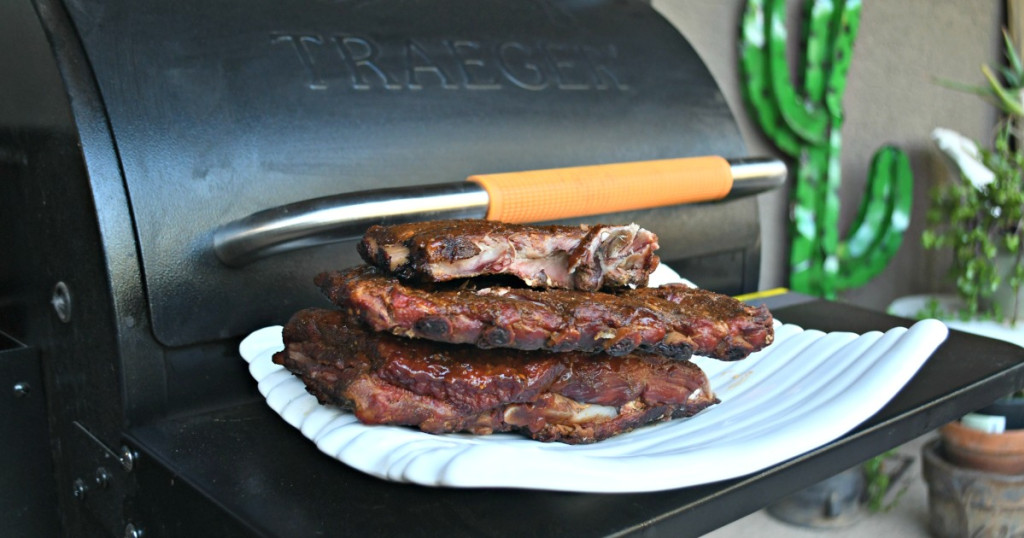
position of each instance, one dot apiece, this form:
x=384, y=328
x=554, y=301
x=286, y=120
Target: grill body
x=130, y=130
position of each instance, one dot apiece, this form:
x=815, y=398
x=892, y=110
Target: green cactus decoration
x=806, y=124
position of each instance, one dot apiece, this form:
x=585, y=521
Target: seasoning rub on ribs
x=568, y=257
x=567, y=397
x=674, y=320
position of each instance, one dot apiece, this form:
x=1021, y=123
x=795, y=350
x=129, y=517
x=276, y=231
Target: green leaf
x=1011, y=77
x=982, y=91
x=1012, y=58
x=928, y=239
x=1008, y=102
x=1012, y=242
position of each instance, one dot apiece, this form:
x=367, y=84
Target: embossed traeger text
x=343, y=61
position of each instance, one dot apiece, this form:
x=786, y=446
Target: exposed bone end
x=396, y=256
x=614, y=256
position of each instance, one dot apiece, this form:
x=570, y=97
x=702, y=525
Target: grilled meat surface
x=673, y=320
x=568, y=397
x=566, y=257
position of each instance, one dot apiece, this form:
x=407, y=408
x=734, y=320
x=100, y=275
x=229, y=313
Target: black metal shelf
x=244, y=471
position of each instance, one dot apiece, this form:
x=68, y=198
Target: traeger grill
x=136, y=135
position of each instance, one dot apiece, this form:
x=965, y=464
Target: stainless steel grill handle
x=347, y=216
x=340, y=217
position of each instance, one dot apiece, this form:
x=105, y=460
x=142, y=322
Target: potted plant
x=975, y=475
x=981, y=218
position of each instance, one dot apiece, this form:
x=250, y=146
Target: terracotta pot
x=992, y=452
x=967, y=502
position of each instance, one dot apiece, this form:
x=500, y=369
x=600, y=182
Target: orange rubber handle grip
x=558, y=193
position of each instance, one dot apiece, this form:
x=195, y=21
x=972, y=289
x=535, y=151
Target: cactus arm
x=757, y=90
x=809, y=120
x=889, y=179
x=846, y=24
x=883, y=217
x=816, y=37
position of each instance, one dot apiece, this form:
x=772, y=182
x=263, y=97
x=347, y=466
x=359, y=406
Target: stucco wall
x=890, y=99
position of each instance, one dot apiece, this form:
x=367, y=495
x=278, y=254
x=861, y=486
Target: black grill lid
x=223, y=109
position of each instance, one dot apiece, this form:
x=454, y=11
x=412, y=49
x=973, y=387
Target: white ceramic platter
x=805, y=390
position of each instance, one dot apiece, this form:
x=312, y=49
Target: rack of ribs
x=567, y=397
x=673, y=320
x=568, y=257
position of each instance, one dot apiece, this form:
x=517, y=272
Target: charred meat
x=567, y=397
x=675, y=321
x=566, y=257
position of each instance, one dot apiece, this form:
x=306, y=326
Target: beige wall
x=890, y=98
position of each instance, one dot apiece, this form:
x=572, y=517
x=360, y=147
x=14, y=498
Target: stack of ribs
x=479, y=326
